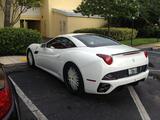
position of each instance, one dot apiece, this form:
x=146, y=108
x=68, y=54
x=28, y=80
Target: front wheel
x=30, y=59
x=73, y=79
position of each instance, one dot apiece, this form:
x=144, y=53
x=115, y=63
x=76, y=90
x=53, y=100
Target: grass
x=140, y=41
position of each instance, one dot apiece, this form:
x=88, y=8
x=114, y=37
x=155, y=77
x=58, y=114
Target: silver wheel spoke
x=73, y=78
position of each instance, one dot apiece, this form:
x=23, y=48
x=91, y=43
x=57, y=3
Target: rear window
x=92, y=40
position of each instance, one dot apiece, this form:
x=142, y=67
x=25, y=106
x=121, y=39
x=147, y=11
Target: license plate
x=132, y=71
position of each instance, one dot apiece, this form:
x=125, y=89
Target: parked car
x=90, y=63
x=9, y=109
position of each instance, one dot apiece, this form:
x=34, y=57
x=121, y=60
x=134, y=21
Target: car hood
x=109, y=50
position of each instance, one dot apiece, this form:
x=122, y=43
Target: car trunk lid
x=124, y=56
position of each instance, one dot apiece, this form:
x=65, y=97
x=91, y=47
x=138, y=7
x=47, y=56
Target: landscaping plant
x=14, y=41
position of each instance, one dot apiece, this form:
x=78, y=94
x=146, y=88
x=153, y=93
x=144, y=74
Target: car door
x=43, y=55
x=50, y=56
x=62, y=46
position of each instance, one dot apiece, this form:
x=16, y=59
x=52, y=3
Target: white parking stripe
x=36, y=112
x=139, y=104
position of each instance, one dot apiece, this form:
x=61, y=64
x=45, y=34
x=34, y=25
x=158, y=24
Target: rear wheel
x=73, y=79
x=30, y=59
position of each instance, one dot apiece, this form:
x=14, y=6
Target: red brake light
x=146, y=54
x=107, y=59
x=5, y=97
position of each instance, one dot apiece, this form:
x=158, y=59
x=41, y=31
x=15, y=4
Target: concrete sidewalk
x=13, y=59
x=153, y=46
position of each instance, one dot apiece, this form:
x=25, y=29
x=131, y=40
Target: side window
x=61, y=43
x=67, y=43
x=49, y=44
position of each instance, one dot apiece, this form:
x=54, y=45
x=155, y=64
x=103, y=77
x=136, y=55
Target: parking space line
x=36, y=112
x=138, y=103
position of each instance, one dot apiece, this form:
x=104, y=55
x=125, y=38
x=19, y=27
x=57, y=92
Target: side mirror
x=43, y=45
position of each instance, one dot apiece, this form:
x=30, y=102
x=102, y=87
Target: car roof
x=77, y=42
x=73, y=34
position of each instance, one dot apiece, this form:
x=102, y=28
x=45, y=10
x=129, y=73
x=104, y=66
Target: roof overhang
x=73, y=14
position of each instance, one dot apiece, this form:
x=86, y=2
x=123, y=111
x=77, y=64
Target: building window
x=62, y=27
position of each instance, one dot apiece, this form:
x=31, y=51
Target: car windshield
x=92, y=40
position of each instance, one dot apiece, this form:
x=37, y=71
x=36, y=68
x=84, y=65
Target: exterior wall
x=47, y=23
x=1, y=16
x=60, y=25
x=66, y=4
x=17, y=25
x=1, y=19
x=75, y=23
x=46, y=20
x=63, y=24
x=44, y=17
x=32, y=14
x=31, y=17
x=50, y=22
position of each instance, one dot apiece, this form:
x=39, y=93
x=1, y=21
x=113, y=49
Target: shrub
x=116, y=33
x=14, y=41
x=149, y=32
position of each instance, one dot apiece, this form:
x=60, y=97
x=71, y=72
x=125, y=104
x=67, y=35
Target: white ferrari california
x=90, y=63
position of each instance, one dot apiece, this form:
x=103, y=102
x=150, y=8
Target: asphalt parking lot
x=50, y=96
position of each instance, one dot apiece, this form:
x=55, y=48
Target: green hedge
x=149, y=32
x=14, y=41
x=116, y=33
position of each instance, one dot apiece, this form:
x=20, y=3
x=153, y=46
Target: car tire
x=73, y=79
x=30, y=59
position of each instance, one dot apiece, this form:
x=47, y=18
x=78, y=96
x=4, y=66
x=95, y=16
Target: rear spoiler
x=128, y=53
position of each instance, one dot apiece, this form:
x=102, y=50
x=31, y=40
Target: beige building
x=56, y=17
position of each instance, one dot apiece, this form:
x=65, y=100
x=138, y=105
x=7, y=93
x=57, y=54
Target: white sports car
x=90, y=63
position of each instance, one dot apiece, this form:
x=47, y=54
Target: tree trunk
x=7, y=14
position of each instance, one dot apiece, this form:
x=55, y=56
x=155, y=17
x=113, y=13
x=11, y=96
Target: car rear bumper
x=113, y=84
x=124, y=81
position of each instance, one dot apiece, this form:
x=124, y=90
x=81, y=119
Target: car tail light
x=5, y=96
x=107, y=59
x=146, y=54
